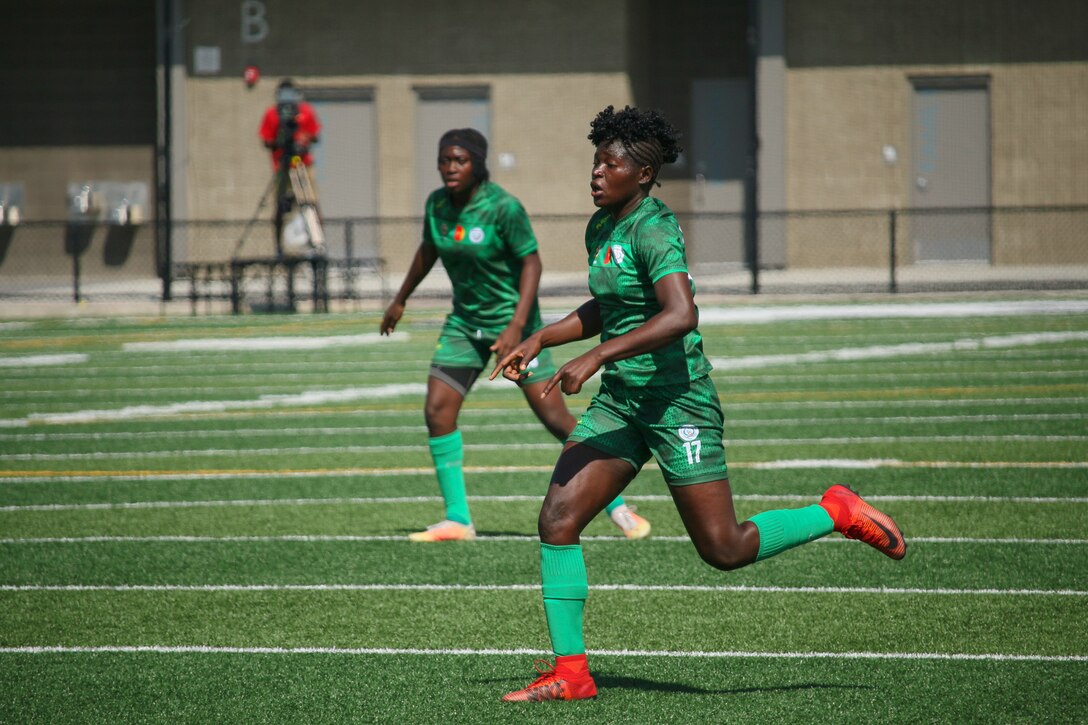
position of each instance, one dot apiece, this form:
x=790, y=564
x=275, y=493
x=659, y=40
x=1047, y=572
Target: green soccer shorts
x=460, y=348
x=679, y=425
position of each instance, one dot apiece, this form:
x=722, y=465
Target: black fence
x=232, y=265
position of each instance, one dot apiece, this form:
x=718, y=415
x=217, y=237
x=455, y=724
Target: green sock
x=786, y=528
x=616, y=503
x=448, y=455
x=565, y=588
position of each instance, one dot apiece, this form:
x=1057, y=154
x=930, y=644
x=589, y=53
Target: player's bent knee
x=723, y=556
x=557, y=525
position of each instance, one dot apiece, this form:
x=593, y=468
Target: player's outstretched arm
x=528, y=284
x=422, y=263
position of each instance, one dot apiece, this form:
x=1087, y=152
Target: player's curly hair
x=648, y=137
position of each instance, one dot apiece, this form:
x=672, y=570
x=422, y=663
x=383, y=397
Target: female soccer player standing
x=483, y=237
x=656, y=399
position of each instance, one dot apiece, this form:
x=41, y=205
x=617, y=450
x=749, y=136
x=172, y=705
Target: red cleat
x=568, y=680
x=856, y=519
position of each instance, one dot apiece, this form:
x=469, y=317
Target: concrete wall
x=849, y=94
x=541, y=119
x=83, y=81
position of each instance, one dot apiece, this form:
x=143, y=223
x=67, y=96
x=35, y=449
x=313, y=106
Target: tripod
x=292, y=184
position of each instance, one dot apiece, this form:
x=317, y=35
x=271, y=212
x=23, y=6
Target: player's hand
x=571, y=377
x=507, y=340
x=392, y=316
x=513, y=365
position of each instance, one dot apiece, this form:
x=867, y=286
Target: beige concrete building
x=966, y=117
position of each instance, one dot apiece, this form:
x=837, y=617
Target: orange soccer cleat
x=856, y=519
x=445, y=531
x=631, y=524
x=568, y=680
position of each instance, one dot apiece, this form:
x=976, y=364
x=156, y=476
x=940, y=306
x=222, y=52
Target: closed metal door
x=346, y=169
x=951, y=170
x=720, y=129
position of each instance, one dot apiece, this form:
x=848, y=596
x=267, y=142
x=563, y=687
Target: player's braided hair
x=649, y=139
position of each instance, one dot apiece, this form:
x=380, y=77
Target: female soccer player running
x=483, y=237
x=656, y=399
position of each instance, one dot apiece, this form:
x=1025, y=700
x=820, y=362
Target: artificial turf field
x=204, y=520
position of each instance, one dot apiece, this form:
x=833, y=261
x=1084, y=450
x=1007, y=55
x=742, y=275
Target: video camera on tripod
x=288, y=99
x=287, y=129
x=294, y=185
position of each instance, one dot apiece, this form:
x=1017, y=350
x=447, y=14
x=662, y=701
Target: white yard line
x=26, y=361
x=735, y=589
x=294, y=432
x=246, y=474
x=877, y=352
x=521, y=446
x=380, y=500
x=250, y=344
x=521, y=652
x=763, y=314
x=319, y=539
x=200, y=410
x=280, y=383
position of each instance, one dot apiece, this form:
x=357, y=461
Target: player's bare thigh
x=584, y=481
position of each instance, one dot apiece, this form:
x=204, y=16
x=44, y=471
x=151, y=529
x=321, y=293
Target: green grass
x=219, y=535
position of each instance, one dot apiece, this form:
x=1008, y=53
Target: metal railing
x=859, y=250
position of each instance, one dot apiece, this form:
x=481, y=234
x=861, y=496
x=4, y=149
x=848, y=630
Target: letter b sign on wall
x=254, y=21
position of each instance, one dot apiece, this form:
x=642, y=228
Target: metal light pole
x=751, y=170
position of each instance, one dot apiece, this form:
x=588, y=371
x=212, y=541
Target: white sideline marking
x=310, y=538
x=278, y=403
x=39, y=360
x=527, y=587
x=894, y=463
x=313, y=397
x=757, y=315
x=887, y=351
x=245, y=344
x=420, y=428
x=872, y=464
x=363, y=500
x=548, y=446
x=204, y=649
x=222, y=385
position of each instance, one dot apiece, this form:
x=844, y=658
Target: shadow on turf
x=609, y=682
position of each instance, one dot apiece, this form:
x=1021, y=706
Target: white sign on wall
x=206, y=59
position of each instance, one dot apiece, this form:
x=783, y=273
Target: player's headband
x=469, y=139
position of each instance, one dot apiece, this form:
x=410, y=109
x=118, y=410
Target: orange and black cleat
x=445, y=531
x=855, y=519
x=568, y=680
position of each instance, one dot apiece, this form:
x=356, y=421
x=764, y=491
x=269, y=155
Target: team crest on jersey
x=476, y=235
x=612, y=255
x=458, y=233
x=687, y=432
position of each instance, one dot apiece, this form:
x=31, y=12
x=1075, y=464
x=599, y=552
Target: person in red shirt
x=288, y=129
x=290, y=125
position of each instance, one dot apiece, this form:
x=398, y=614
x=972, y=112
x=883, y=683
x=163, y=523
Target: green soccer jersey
x=482, y=246
x=625, y=260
